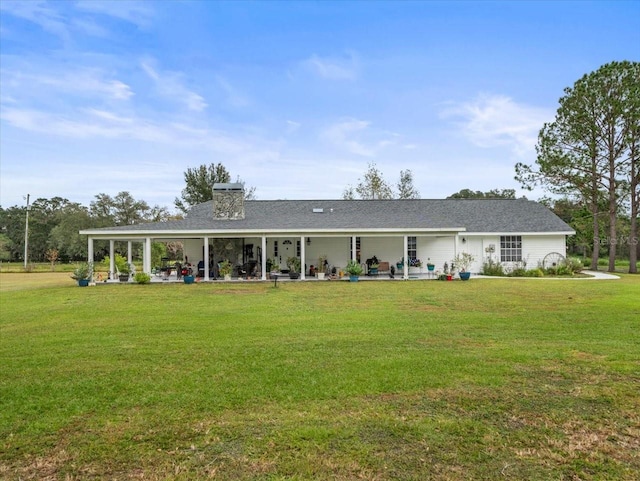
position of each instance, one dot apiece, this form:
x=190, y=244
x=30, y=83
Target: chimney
x=228, y=201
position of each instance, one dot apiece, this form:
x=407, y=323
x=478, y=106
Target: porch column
x=112, y=260
x=129, y=256
x=263, y=261
x=146, y=257
x=302, y=257
x=90, y=249
x=405, y=256
x=206, y=258
x=353, y=248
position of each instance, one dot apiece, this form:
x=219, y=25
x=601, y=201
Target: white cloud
x=170, y=85
x=20, y=81
x=136, y=12
x=97, y=124
x=38, y=12
x=234, y=97
x=495, y=120
x=343, y=134
x=292, y=126
x=357, y=137
x=332, y=68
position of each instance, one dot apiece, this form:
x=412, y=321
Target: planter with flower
x=430, y=265
x=123, y=268
x=83, y=273
x=354, y=269
x=225, y=269
x=293, y=263
x=463, y=261
x=415, y=265
x=372, y=266
x=323, y=266
x=273, y=267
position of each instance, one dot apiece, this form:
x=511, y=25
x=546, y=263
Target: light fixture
x=308, y=241
x=464, y=240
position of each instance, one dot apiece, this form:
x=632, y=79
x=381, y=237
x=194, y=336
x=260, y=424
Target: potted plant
x=293, y=263
x=372, y=266
x=273, y=267
x=463, y=261
x=83, y=273
x=447, y=273
x=323, y=266
x=123, y=268
x=225, y=269
x=430, y=265
x=354, y=269
x=415, y=263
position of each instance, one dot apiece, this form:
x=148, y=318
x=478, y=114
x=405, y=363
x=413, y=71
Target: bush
x=574, y=265
x=492, y=268
x=142, y=278
x=518, y=272
x=534, y=273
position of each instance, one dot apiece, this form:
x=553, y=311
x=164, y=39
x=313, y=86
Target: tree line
x=54, y=223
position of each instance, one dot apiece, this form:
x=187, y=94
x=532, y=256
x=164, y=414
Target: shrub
x=492, y=268
x=534, y=273
x=518, y=271
x=142, y=278
x=575, y=265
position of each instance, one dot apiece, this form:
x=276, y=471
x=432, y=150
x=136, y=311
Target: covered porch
x=253, y=254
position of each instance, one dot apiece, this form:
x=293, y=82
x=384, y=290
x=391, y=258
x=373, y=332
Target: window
x=298, y=251
x=510, y=248
x=275, y=248
x=412, y=248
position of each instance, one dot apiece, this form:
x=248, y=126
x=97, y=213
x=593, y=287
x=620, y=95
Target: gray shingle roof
x=474, y=215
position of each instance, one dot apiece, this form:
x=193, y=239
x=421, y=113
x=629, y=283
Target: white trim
x=486, y=234
x=102, y=234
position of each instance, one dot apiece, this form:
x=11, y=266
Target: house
x=249, y=232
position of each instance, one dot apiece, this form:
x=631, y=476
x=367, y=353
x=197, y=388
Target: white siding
x=534, y=248
x=438, y=249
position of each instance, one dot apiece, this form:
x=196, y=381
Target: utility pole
x=26, y=236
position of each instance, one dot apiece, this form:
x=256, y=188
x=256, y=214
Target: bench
x=383, y=267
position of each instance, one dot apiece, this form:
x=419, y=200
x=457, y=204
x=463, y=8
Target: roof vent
x=318, y=210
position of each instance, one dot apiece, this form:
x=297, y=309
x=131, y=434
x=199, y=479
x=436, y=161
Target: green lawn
x=532, y=379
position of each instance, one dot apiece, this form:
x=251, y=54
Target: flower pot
x=399, y=266
x=188, y=279
x=449, y=277
x=294, y=275
x=124, y=277
x=227, y=277
x=353, y=278
x=320, y=275
x=465, y=276
x=431, y=267
x=83, y=282
x=373, y=271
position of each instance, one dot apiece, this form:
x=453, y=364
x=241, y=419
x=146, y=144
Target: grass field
x=489, y=379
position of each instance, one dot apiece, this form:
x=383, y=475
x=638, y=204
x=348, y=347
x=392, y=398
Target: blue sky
x=295, y=98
